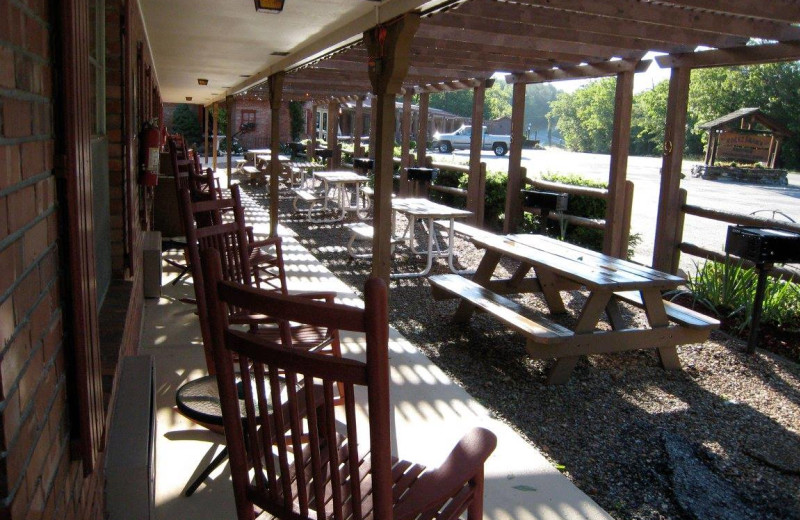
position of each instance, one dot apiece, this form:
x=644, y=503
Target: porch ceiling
x=546, y=40
x=228, y=42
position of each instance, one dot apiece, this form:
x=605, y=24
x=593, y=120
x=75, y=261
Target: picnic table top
x=426, y=208
x=590, y=268
x=341, y=176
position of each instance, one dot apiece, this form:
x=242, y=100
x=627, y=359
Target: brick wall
x=260, y=138
x=36, y=473
x=38, y=477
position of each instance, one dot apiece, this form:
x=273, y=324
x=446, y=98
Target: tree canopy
x=585, y=117
x=186, y=123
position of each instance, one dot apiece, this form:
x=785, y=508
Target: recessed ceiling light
x=188, y=98
x=244, y=75
x=279, y=53
x=202, y=81
x=269, y=6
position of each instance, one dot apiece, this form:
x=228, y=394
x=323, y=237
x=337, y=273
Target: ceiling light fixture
x=188, y=98
x=202, y=81
x=279, y=53
x=269, y=6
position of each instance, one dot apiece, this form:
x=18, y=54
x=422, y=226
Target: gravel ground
x=625, y=431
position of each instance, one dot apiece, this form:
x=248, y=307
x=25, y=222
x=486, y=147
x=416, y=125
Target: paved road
x=645, y=174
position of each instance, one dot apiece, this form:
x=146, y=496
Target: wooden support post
x=668, y=201
x=620, y=144
x=333, y=131
x=205, y=135
x=275, y=94
x=358, y=127
x=405, y=142
x=228, y=136
x=626, y=219
x=474, y=199
x=214, y=140
x=312, y=147
x=515, y=179
x=422, y=134
x=389, y=51
x=373, y=122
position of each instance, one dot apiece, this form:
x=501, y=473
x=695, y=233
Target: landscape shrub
x=728, y=289
x=582, y=206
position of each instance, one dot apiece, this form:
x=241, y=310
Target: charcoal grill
x=763, y=247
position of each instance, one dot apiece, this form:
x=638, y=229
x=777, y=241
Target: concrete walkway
x=430, y=415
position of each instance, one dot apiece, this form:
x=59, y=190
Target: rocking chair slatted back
x=303, y=468
x=298, y=441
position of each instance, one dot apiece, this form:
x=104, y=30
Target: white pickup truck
x=460, y=140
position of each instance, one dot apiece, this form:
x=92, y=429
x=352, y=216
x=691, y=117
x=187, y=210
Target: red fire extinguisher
x=149, y=139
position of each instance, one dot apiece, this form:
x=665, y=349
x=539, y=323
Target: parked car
x=460, y=140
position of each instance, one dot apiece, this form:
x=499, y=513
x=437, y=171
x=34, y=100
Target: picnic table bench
x=562, y=266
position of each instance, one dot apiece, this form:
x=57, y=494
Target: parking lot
x=644, y=172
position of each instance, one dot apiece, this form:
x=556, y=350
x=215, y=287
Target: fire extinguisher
x=149, y=140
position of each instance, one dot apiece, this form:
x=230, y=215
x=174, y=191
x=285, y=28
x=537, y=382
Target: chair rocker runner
x=302, y=451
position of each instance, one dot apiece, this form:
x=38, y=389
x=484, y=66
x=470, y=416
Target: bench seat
x=541, y=330
x=363, y=232
x=459, y=228
x=677, y=313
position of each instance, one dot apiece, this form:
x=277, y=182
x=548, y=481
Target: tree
x=538, y=97
x=296, y=119
x=457, y=102
x=498, y=100
x=648, y=120
x=186, y=123
x=586, y=116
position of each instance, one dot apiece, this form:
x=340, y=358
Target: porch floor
x=430, y=414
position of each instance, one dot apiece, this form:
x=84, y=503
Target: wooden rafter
x=672, y=14
x=746, y=55
x=592, y=70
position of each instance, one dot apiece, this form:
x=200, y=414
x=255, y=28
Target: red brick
x=51, y=341
x=11, y=418
x=23, y=72
x=34, y=242
x=48, y=154
x=40, y=318
x=16, y=118
x=21, y=208
x=32, y=158
x=25, y=295
x=8, y=259
x=15, y=357
x=10, y=171
x=30, y=380
x=19, y=451
x=5, y=16
x=7, y=322
x=7, y=68
x=3, y=219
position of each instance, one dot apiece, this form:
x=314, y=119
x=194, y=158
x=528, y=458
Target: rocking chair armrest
x=327, y=296
x=464, y=463
x=253, y=243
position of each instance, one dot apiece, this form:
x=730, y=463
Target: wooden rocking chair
x=282, y=427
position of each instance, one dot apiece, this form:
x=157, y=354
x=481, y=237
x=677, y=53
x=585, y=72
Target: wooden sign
x=739, y=146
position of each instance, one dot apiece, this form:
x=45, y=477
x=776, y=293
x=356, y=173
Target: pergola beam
x=669, y=14
x=593, y=70
x=747, y=55
x=594, y=26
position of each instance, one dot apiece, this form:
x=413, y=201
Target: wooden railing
x=731, y=218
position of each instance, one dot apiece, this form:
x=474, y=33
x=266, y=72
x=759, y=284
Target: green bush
x=581, y=206
x=728, y=288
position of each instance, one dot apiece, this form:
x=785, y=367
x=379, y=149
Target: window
x=248, y=117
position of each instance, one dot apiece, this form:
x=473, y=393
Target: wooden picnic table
x=559, y=266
